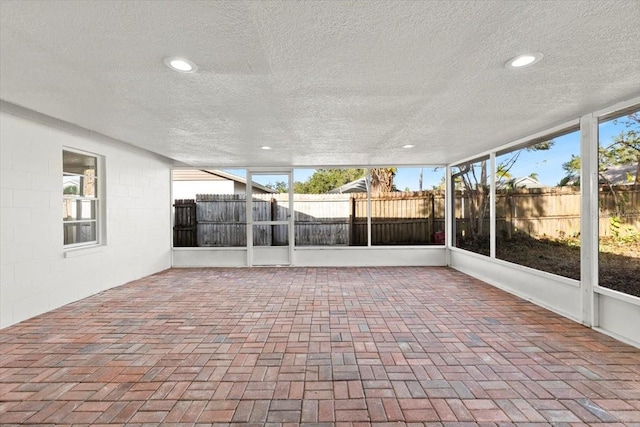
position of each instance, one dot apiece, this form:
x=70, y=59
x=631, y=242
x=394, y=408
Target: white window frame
x=98, y=186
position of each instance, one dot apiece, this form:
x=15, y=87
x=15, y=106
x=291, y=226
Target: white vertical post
x=292, y=235
x=368, y=181
x=449, y=212
x=492, y=205
x=249, y=214
x=101, y=175
x=589, y=216
x=172, y=214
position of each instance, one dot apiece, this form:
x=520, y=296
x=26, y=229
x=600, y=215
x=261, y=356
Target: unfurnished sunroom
x=336, y=133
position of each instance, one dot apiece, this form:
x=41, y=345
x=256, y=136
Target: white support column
x=368, y=181
x=449, y=212
x=249, y=215
x=492, y=205
x=292, y=219
x=589, y=218
x=172, y=214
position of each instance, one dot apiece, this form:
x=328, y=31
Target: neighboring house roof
x=621, y=174
x=357, y=186
x=195, y=175
x=214, y=175
x=522, y=182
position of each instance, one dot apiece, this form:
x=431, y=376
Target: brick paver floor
x=323, y=346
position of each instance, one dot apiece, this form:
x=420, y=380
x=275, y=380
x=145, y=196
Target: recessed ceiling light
x=408, y=146
x=180, y=64
x=523, y=60
x=265, y=147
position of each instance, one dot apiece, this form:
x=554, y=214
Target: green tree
x=324, y=180
x=502, y=173
x=473, y=180
x=623, y=149
x=572, y=172
x=279, y=186
x=70, y=189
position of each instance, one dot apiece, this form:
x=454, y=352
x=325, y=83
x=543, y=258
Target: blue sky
x=546, y=164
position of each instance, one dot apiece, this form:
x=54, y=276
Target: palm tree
x=382, y=180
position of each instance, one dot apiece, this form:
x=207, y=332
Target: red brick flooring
x=332, y=346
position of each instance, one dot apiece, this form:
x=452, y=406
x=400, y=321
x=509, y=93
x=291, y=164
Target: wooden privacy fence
x=320, y=220
x=401, y=218
x=553, y=211
x=323, y=219
x=550, y=211
x=222, y=220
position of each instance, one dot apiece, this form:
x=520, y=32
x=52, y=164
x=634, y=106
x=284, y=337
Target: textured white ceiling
x=323, y=83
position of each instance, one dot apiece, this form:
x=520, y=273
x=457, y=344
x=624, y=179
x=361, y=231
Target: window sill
x=87, y=250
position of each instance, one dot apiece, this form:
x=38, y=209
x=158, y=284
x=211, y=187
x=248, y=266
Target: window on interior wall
x=330, y=207
x=210, y=207
x=407, y=206
x=471, y=206
x=619, y=201
x=80, y=201
x=538, y=204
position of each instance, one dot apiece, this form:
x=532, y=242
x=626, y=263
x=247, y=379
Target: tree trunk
x=381, y=180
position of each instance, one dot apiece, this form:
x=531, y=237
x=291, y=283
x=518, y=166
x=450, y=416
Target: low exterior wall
x=318, y=257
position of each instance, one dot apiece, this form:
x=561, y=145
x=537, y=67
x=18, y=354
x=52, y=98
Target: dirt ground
x=619, y=261
x=620, y=266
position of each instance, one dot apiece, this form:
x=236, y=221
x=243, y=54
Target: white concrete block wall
x=35, y=274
